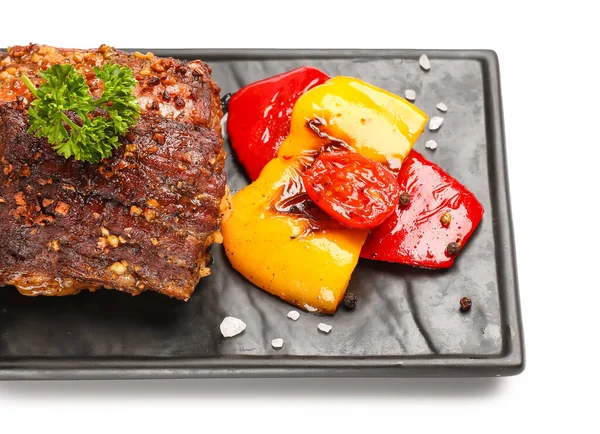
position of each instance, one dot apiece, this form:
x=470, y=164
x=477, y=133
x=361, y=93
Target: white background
x=549, y=69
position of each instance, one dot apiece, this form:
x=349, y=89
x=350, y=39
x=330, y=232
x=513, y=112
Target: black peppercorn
x=350, y=301
x=404, y=199
x=453, y=248
x=465, y=304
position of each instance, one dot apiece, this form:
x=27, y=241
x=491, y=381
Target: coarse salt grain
x=424, y=62
x=232, y=326
x=410, y=94
x=309, y=308
x=442, y=107
x=277, y=343
x=431, y=144
x=293, y=315
x=435, y=123
x=325, y=328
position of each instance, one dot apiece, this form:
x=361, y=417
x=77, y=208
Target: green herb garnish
x=93, y=133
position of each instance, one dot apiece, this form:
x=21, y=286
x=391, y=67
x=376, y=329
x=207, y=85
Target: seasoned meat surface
x=171, y=88
x=142, y=219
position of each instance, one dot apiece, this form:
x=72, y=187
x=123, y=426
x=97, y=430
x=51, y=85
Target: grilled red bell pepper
x=431, y=224
x=260, y=113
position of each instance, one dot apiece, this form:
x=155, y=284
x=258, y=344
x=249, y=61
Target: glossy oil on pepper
x=433, y=227
x=260, y=115
x=277, y=238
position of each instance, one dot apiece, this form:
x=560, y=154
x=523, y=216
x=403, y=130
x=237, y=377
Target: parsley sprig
x=93, y=133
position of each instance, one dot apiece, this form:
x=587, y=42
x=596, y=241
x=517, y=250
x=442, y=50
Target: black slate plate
x=407, y=322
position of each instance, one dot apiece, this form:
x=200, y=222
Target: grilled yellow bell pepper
x=276, y=237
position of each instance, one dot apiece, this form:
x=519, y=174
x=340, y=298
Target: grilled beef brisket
x=140, y=220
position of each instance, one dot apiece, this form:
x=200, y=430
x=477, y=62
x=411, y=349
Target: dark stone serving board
x=407, y=322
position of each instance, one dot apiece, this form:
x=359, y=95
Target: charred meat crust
x=140, y=220
x=192, y=95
